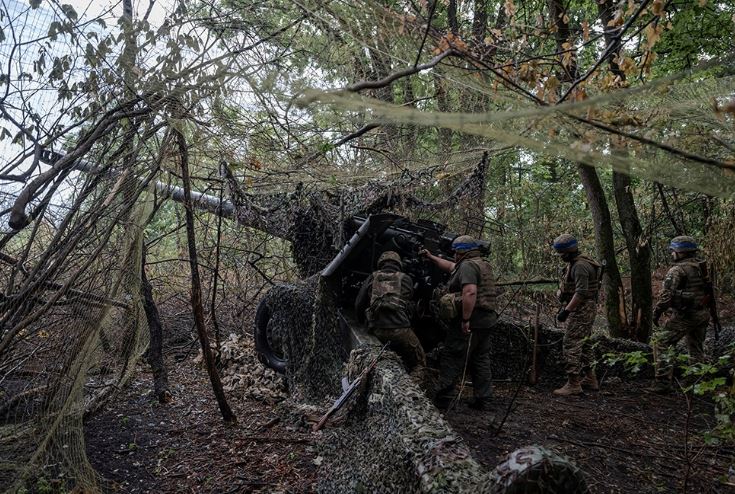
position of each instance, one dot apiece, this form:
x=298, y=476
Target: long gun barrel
x=711, y=299
x=201, y=201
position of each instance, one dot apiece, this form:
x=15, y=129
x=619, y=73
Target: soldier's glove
x=656, y=317
x=562, y=315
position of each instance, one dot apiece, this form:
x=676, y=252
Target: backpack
x=386, y=293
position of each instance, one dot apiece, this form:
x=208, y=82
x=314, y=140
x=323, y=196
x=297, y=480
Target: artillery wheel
x=263, y=331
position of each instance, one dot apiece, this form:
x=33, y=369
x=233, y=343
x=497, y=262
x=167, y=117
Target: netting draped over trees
x=476, y=114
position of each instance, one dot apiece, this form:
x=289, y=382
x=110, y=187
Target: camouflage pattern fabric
x=690, y=325
x=537, y=470
x=684, y=276
x=385, y=319
x=577, y=345
x=404, y=342
x=453, y=357
x=387, y=294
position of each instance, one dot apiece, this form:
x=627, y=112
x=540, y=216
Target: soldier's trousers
x=405, y=343
x=454, y=354
x=577, y=346
x=690, y=325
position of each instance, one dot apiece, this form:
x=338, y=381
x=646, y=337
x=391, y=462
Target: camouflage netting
x=73, y=329
x=313, y=219
x=394, y=439
x=536, y=470
x=230, y=83
x=303, y=323
x=244, y=376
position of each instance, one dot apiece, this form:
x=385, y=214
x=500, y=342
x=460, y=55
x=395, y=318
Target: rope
x=464, y=375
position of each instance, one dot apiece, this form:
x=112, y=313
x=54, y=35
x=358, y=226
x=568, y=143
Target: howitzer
x=366, y=239
x=710, y=298
x=348, y=388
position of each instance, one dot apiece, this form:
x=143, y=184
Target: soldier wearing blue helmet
x=578, y=291
x=685, y=299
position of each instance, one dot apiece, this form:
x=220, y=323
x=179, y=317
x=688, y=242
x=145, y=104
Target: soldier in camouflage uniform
x=473, y=298
x=685, y=297
x=578, y=295
x=385, y=298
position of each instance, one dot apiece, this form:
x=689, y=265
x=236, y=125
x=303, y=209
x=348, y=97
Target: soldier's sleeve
x=363, y=298
x=469, y=274
x=581, y=275
x=670, y=284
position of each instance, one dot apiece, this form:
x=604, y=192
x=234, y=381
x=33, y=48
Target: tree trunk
x=155, y=349
x=472, y=207
x=479, y=22
x=639, y=253
x=196, y=287
x=444, y=142
x=615, y=296
x=638, y=248
x=452, y=17
x=667, y=210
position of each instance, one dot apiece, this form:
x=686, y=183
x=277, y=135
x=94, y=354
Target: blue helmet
x=565, y=243
x=464, y=243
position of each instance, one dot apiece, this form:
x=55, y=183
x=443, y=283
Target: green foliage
x=632, y=362
x=709, y=382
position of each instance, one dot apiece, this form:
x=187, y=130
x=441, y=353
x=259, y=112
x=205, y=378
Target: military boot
x=589, y=381
x=444, y=398
x=572, y=387
x=480, y=404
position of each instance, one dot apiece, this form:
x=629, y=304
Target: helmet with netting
x=565, y=243
x=683, y=243
x=464, y=243
x=389, y=256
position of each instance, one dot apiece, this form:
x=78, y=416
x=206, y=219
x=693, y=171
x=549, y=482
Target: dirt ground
x=139, y=445
x=624, y=439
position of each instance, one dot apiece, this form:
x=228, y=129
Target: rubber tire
x=266, y=354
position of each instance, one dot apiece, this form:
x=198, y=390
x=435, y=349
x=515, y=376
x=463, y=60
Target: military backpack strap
x=692, y=294
x=387, y=293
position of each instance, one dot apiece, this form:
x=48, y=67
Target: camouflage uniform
x=683, y=295
x=392, y=324
x=472, y=269
x=581, y=277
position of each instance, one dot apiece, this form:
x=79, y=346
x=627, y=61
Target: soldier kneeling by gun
x=386, y=299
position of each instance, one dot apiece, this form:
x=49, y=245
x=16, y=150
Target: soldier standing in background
x=386, y=298
x=686, y=295
x=471, y=315
x=578, y=295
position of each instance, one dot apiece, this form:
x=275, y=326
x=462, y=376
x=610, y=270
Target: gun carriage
x=368, y=237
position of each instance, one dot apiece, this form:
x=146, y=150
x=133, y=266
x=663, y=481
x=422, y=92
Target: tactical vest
x=386, y=293
x=486, y=294
x=693, y=292
x=568, y=286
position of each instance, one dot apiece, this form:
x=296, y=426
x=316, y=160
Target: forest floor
x=623, y=438
x=139, y=445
